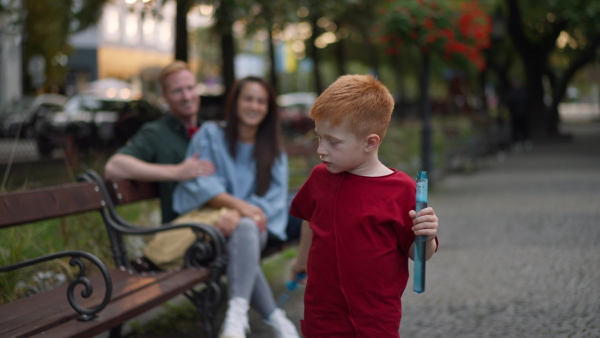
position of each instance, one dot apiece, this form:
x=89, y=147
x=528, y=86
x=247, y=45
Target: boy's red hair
x=361, y=100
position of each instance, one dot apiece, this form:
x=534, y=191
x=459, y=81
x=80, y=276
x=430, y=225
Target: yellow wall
x=125, y=63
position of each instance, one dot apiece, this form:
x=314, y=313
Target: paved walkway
x=519, y=255
x=520, y=249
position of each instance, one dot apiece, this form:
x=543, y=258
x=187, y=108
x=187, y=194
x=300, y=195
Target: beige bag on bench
x=167, y=248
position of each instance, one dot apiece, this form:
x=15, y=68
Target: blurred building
x=129, y=42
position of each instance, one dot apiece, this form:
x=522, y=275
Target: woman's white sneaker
x=283, y=327
x=236, y=319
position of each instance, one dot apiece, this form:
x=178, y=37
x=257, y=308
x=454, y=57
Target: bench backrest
x=125, y=191
x=33, y=205
x=27, y=206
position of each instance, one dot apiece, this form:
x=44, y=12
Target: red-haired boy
x=359, y=224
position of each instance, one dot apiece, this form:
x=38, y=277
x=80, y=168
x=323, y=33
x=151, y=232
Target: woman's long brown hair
x=267, y=144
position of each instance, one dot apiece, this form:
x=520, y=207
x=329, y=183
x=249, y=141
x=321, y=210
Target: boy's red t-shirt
x=358, y=259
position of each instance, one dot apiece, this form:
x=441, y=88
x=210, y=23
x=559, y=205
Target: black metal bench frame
x=121, y=293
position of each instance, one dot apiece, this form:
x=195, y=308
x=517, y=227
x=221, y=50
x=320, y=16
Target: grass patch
x=81, y=232
x=78, y=232
x=181, y=318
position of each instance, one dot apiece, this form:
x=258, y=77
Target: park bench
x=91, y=305
x=120, y=293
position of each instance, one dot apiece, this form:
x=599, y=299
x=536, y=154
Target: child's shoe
x=236, y=319
x=283, y=327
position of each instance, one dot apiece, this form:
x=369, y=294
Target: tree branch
x=586, y=56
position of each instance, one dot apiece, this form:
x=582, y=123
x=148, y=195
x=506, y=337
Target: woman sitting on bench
x=251, y=186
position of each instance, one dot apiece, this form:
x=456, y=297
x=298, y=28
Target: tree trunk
x=314, y=50
x=535, y=60
x=181, y=33
x=561, y=83
x=272, y=65
x=224, y=29
x=373, y=56
x=314, y=54
x=538, y=116
x=425, y=107
x=340, y=55
x=400, y=94
x=228, y=55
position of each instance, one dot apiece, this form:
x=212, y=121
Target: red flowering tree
x=454, y=30
x=451, y=29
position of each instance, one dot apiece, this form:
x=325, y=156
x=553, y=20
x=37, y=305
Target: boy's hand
x=296, y=268
x=425, y=222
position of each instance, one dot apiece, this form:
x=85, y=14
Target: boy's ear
x=373, y=141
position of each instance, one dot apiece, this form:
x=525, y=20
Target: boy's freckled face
x=339, y=149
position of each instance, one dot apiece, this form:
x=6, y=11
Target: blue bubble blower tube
x=291, y=286
x=420, y=241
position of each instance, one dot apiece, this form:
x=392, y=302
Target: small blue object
x=420, y=241
x=291, y=285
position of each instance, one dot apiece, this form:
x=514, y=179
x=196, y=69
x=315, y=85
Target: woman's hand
x=256, y=214
x=228, y=221
x=243, y=208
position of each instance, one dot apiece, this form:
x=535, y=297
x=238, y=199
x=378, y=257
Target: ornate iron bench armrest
x=210, y=245
x=85, y=314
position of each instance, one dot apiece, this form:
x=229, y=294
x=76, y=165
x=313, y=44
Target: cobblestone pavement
x=520, y=252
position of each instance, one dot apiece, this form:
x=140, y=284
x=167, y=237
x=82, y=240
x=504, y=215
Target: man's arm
x=122, y=166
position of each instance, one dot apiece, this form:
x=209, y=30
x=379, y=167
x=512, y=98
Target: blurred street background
x=498, y=99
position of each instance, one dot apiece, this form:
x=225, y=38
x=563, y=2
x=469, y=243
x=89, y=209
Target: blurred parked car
x=294, y=112
x=93, y=122
x=17, y=118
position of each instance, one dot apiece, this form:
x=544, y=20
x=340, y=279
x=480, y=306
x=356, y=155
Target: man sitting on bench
x=157, y=151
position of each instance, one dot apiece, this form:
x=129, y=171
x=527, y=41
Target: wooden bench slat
x=129, y=307
x=49, y=306
x=46, y=310
x=126, y=191
x=28, y=206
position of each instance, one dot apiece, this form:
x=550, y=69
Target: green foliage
x=82, y=232
x=555, y=40
x=440, y=28
x=171, y=319
x=49, y=24
x=78, y=232
x=563, y=26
